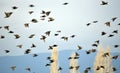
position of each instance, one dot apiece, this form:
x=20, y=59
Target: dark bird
x=50, y=48
x=28, y=69
x=88, y=24
x=97, y=41
x=11, y=32
x=0, y=27
x=69, y=58
x=85, y=71
x=43, y=37
x=77, y=67
x=48, y=13
x=26, y=25
x=111, y=35
x=2, y=37
x=88, y=68
x=30, y=12
x=106, y=54
x=88, y=51
x=34, y=20
x=16, y=36
x=95, y=21
x=56, y=34
x=76, y=54
x=93, y=50
x=8, y=14
x=118, y=23
x=35, y=55
x=47, y=33
x=43, y=16
x=115, y=57
x=71, y=67
x=115, y=31
x=20, y=46
x=13, y=67
x=79, y=47
x=64, y=38
x=51, y=61
x=94, y=45
x=31, y=36
x=114, y=69
x=116, y=46
x=107, y=24
x=33, y=46
x=43, y=12
x=27, y=51
x=31, y=5
x=60, y=68
x=48, y=58
x=54, y=45
x=76, y=57
x=47, y=65
x=102, y=67
x=14, y=7
x=103, y=33
x=50, y=19
x=65, y=3
x=72, y=36
x=6, y=27
x=98, y=68
x=7, y=51
x=58, y=31
x=104, y=3
x=114, y=18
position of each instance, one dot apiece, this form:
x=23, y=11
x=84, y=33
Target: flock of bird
x=46, y=15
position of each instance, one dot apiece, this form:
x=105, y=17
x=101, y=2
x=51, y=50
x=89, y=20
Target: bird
x=0, y=27
x=6, y=27
x=17, y=36
x=111, y=35
x=35, y=55
x=115, y=57
x=103, y=33
x=31, y=36
x=115, y=31
x=88, y=24
x=58, y=31
x=114, y=69
x=48, y=58
x=43, y=37
x=8, y=14
x=102, y=67
x=34, y=20
x=94, y=45
x=26, y=25
x=70, y=58
x=97, y=41
x=6, y=51
x=88, y=51
x=56, y=34
x=77, y=67
x=114, y=18
x=106, y=54
x=47, y=33
x=31, y=5
x=30, y=12
x=2, y=37
x=28, y=69
x=50, y=19
x=116, y=46
x=64, y=38
x=107, y=24
x=95, y=21
x=71, y=67
x=47, y=65
x=13, y=67
x=85, y=71
x=93, y=50
x=20, y=46
x=51, y=61
x=65, y=3
x=27, y=51
x=72, y=36
x=76, y=54
x=76, y=57
x=43, y=12
x=47, y=13
x=79, y=47
x=50, y=48
x=33, y=46
x=14, y=7
x=104, y=3
x=60, y=68
x=98, y=68
x=88, y=68
x=11, y=31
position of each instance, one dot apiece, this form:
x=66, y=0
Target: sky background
x=70, y=19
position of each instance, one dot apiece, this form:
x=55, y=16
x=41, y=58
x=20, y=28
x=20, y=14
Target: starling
x=8, y=14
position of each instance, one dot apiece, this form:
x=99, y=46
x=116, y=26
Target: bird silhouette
x=13, y=67
x=79, y=47
x=65, y=3
x=104, y=3
x=34, y=20
x=107, y=24
x=14, y=7
x=31, y=36
x=8, y=14
x=30, y=12
x=114, y=18
x=2, y=36
x=17, y=36
x=33, y=46
x=20, y=46
x=27, y=51
x=6, y=27
x=26, y=25
x=6, y=51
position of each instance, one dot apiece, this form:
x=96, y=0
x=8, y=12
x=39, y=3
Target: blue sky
x=70, y=19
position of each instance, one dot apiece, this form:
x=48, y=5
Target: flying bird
x=31, y=5
x=88, y=24
x=2, y=36
x=50, y=19
x=26, y=25
x=65, y=3
x=115, y=57
x=6, y=27
x=79, y=47
x=115, y=31
x=33, y=46
x=17, y=36
x=72, y=36
x=104, y=3
x=103, y=33
x=35, y=55
x=34, y=20
x=111, y=35
x=43, y=37
x=20, y=46
x=60, y=68
x=13, y=67
x=107, y=24
x=8, y=14
x=116, y=46
x=30, y=12
x=11, y=32
x=14, y=7
x=114, y=18
x=6, y=51
x=31, y=36
x=48, y=13
x=27, y=51
x=47, y=33
x=28, y=69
